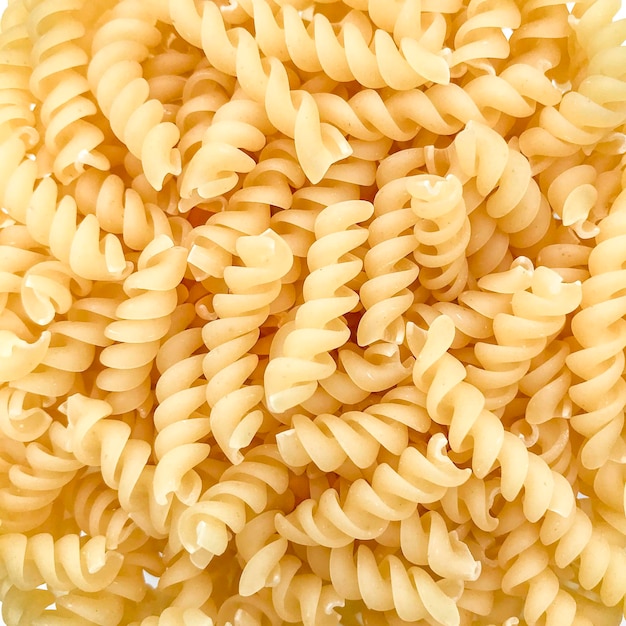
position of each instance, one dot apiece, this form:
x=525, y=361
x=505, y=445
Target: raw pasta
x=312, y=313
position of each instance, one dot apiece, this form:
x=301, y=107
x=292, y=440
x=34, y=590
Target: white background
x=622, y=13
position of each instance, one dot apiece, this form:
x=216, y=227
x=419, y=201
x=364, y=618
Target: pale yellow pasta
x=312, y=312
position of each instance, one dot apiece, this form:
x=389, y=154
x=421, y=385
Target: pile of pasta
x=312, y=312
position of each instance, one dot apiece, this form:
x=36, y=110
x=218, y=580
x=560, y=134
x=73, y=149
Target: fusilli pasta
x=312, y=312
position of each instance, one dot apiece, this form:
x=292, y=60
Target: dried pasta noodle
x=312, y=313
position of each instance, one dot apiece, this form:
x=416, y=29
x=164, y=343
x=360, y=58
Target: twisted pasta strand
x=301, y=357
x=59, y=82
x=116, y=80
x=228, y=364
x=455, y=403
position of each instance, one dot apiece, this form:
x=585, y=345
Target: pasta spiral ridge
x=530, y=572
x=355, y=53
x=503, y=174
x=385, y=294
x=328, y=441
x=98, y=513
x=107, y=443
x=238, y=127
x=37, y=205
x=301, y=357
x=443, y=233
x=601, y=395
x=142, y=320
x=212, y=245
x=386, y=583
x=202, y=528
x=33, y=476
x=228, y=364
x=292, y=112
x=481, y=38
x=120, y=210
x=17, y=116
x=460, y=406
x=367, y=507
x=505, y=362
x=64, y=564
x=70, y=141
x=116, y=80
x=181, y=417
x=588, y=113
x=297, y=594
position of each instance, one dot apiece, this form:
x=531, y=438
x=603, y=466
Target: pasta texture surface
x=312, y=313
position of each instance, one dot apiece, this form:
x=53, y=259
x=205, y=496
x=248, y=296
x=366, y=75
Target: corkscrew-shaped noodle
x=505, y=362
x=116, y=80
x=202, y=528
x=529, y=571
x=204, y=93
x=23, y=416
x=588, y=113
x=98, y=512
x=293, y=112
x=329, y=440
x=120, y=210
x=355, y=52
x=33, y=476
x=302, y=352
x=503, y=174
x=64, y=564
x=58, y=62
x=142, y=321
x=227, y=366
x=386, y=295
x=443, y=232
x=107, y=443
x=52, y=221
x=387, y=583
x=16, y=114
x=239, y=126
x=213, y=244
x=460, y=405
x=599, y=329
x=369, y=506
x=481, y=37
x=179, y=420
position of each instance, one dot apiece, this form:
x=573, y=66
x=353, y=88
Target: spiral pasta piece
x=368, y=507
x=16, y=113
x=116, y=80
x=582, y=119
x=228, y=364
x=443, y=232
x=531, y=572
x=355, y=53
x=64, y=563
x=386, y=295
x=142, y=321
x=59, y=82
x=124, y=460
x=329, y=440
x=518, y=467
x=389, y=584
x=601, y=394
x=302, y=354
x=203, y=527
x=504, y=364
